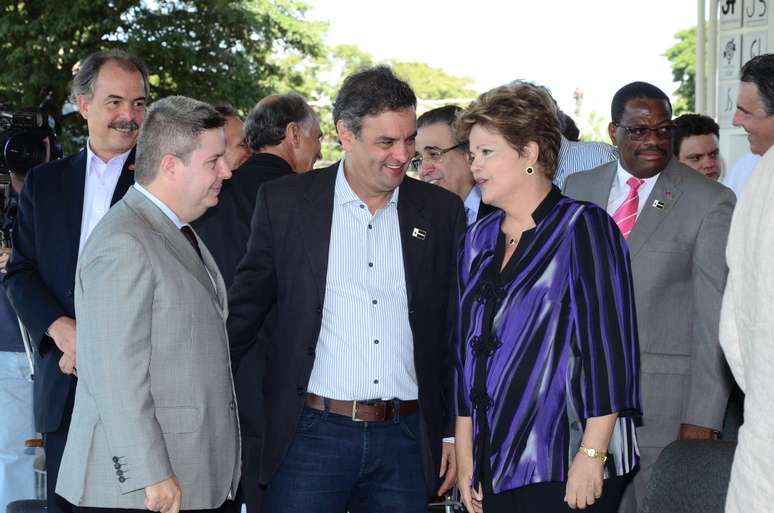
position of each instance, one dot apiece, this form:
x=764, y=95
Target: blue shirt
x=472, y=203
x=547, y=343
x=366, y=348
x=577, y=156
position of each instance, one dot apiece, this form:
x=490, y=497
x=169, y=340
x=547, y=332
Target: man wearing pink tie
x=676, y=224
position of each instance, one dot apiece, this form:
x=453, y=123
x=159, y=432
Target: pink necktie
x=626, y=214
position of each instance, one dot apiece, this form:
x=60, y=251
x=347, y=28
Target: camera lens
x=24, y=151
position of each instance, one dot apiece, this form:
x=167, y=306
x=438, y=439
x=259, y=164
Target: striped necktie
x=626, y=214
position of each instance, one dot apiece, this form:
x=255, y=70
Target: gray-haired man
x=59, y=206
x=155, y=423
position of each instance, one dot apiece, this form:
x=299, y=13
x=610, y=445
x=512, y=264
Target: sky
x=597, y=45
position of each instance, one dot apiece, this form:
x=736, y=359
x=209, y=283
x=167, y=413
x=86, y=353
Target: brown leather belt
x=362, y=411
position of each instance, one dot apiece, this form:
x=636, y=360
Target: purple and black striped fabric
x=547, y=343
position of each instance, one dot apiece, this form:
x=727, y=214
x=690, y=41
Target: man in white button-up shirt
x=61, y=203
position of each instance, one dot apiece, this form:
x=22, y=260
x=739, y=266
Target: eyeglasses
x=432, y=155
x=640, y=133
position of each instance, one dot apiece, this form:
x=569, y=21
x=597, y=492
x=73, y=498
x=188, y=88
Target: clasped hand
x=584, y=482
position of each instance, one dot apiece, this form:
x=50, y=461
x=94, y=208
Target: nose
x=403, y=151
x=737, y=119
x=425, y=168
x=224, y=170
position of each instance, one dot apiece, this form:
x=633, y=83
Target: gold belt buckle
x=354, y=413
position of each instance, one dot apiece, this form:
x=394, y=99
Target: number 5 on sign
x=756, y=12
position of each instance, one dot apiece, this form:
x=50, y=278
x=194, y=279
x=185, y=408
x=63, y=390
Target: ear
x=346, y=136
x=293, y=134
x=169, y=166
x=531, y=152
x=83, y=106
x=611, y=133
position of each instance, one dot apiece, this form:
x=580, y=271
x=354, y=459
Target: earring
x=529, y=170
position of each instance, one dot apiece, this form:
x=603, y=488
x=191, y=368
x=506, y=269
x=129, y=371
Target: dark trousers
x=336, y=464
x=548, y=497
x=54, y=444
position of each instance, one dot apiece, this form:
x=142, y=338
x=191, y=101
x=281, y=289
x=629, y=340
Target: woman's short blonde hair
x=521, y=112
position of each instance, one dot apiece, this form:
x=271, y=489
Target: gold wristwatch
x=593, y=453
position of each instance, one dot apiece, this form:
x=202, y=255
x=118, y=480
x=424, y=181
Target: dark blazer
x=40, y=274
x=287, y=262
x=225, y=227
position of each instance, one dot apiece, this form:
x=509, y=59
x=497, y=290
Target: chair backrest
x=690, y=476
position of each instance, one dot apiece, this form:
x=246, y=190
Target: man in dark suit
x=59, y=206
x=676, y=223
x=284, y=133
x=359, y=260
x=443, y=160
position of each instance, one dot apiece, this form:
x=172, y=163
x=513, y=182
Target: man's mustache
x=124, y=125
x=650, y=149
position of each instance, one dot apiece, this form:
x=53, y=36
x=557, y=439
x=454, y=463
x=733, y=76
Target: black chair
x=690, y=476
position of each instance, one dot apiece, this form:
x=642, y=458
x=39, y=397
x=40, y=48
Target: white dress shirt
x=366, y=348
x=472, y=203
x=99, y=186
x=620, y=190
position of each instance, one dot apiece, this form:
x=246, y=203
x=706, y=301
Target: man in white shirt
x=676, y=224
x=60, y=204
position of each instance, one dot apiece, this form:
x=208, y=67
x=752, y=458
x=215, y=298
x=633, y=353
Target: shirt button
x=376, y=382
x=370, y=227
x=376, y=341
x=370, y=264
x=374, y=301
x=362, y=206
x=121, y=479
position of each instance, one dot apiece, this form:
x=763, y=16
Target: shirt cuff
x=448, y=440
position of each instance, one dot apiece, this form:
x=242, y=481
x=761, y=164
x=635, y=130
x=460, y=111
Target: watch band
x=593, y=453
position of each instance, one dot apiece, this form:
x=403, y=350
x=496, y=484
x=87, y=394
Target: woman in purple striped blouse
x=547, y=379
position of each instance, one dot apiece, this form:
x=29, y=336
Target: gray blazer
x=679, y=268
x=155, y=396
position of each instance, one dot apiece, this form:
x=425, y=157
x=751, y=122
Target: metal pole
x=701, y=103
x=712, y=64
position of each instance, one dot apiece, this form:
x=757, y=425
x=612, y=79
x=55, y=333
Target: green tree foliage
x=682, y=57
x=433, y=83
x=215, y=50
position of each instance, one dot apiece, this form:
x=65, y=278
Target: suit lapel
x=317, y=217
x=415, y=234
x=125, y=179
x=666, y=193
x=599, y=192
x=221, y=300
x=175, y=240
x=73, y=181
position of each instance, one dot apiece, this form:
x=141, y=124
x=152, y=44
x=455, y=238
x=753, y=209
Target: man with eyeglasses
x=443, y=161
x=676, y=225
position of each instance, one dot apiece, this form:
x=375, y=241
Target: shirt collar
x=118, y=160
x=344, y=194
x=164, y=208
x=473, y=199
x=622, y=175
x=548, y=204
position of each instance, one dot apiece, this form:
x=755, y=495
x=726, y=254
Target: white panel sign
x=756, y=12
x=753, y=44
x=730, y=13
x=727, y=92
x=730, y=58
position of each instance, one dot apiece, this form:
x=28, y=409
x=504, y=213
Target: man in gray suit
x=155, y=424
x=676, y=223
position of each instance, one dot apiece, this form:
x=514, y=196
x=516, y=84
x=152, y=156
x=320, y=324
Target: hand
x=692, y=432
x=67, y=364
x=164, y=496
x=62, y=330
x=472, y=499
x=584, y=482
x=448, y=467
x=5, y=254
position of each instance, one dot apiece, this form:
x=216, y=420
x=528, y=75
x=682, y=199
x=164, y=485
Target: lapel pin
x=658, y=204
x=419, y=234
x=130, y=167
x=668, y=194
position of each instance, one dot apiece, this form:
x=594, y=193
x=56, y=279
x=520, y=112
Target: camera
x=27, y=138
